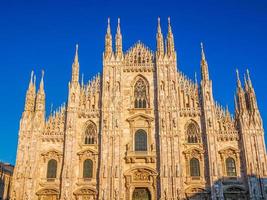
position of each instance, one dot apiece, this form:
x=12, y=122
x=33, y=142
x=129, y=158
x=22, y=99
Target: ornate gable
x=139, y=56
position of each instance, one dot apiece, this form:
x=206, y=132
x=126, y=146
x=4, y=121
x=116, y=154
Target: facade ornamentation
x=141, y=130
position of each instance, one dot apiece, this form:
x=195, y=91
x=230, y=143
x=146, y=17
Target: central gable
x=139, y=55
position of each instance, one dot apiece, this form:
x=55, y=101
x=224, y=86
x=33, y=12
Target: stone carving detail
x=139, y=55
x=140, y=176
x=121, y=160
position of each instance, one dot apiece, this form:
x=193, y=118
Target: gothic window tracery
x=193, y=135
x=230, y=167
x=88, y=168
x=140, y=140
x=51, y=169
x=194, y=167
x=140, y=94
x=90, y=134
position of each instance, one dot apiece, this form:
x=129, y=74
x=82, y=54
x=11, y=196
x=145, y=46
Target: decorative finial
x=108, y=29
x=42, y=74
x=159, y=28
x=249, y=80
x=118, y=27
x=76, y=53
x=32, y=73
x=238, y=78
x=202, y=51
x=169, y=26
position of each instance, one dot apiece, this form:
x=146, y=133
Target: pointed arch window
x=140, y=94
x=140, y=140
x=88, y=168
x=90, y=134
x=194, y=167
x=192, y=132
x=230, y=167
x=51, y=169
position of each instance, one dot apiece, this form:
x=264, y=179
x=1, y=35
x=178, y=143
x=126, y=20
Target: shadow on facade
x=230, y=188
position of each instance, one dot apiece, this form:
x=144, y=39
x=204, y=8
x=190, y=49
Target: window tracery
x=90, y=134
x=140, y=94
x=193, y=135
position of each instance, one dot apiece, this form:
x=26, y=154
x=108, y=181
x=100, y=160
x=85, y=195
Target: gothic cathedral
x=141, y=131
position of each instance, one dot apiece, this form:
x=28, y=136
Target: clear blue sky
x=42, y=35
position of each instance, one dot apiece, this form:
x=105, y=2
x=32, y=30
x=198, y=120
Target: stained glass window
x=140, y=94
x=90, y=134
x=193, y=135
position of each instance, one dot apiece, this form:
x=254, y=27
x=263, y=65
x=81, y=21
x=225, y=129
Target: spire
x=246, y=83
x=160, y=43
x=30, y=95
x=75, y=67
x=170, y=39
x=236, y=105
x=252, y=100
x=40, y=99
x=249, y=80
x=241, y=100
x=41, y=87
x=108, y=41
x=239, y=85
x=118, y=40
x=204, y=65
x=31, y=80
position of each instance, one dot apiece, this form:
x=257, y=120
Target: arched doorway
x=141, y=194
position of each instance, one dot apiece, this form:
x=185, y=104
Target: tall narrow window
x=51, y=169
x=90, y=134
x=88, y=168
x=194, y=167
x=230, y=167
x=193, y=135
x=140, y=94
x=140, y=140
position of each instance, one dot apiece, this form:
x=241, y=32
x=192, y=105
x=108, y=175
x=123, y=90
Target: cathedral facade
x=141, y=131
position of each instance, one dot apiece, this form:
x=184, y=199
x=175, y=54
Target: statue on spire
x=75, y=67
x=204, y=64
x=108, y=42
x=30, y=95
x=170, y=39
x=118, y=41
x=40, y=98
x=160, y=43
